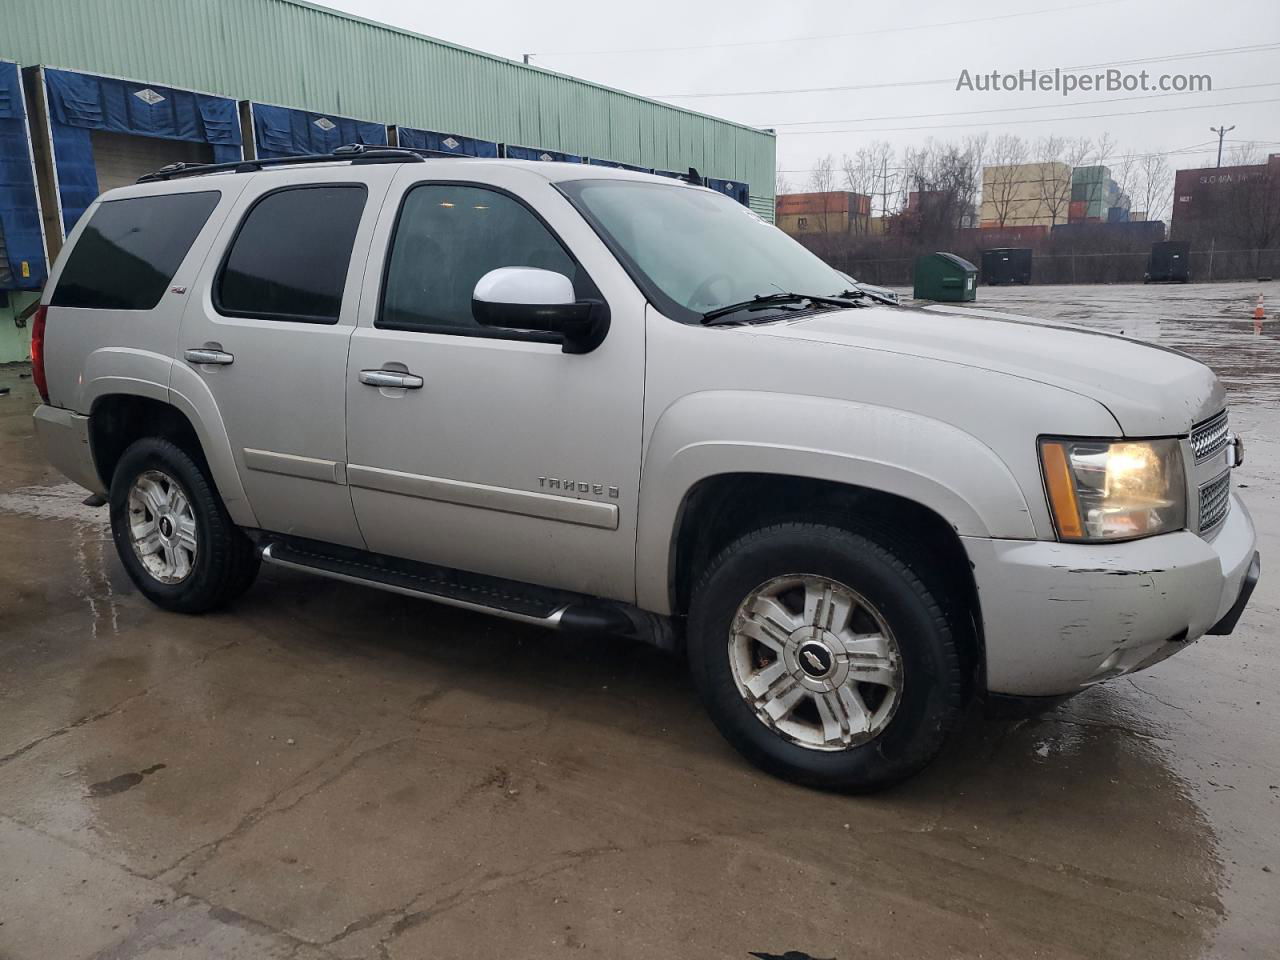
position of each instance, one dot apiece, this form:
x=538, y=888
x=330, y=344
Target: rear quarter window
x=130, y=249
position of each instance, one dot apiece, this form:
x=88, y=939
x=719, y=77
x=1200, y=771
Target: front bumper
x=64, y=438
x=1058, y=617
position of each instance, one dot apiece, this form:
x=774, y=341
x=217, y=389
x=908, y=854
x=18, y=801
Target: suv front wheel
x=172, y=532
x=823, y=658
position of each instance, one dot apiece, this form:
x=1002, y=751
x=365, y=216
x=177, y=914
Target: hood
x=1150, y=390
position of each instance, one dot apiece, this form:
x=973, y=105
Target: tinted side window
x=130, y=250
x=446, y=239
x=289, y=258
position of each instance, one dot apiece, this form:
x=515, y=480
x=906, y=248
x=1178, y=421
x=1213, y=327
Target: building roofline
x=402, y=31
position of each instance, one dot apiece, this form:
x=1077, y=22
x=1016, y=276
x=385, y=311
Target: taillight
x=37, y=352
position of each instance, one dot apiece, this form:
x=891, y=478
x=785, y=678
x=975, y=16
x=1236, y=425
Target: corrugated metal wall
x=294, y=54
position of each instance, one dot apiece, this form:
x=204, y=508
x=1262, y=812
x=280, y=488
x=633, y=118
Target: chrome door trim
x=551, y=621
x=293, y=465
x=587, y=513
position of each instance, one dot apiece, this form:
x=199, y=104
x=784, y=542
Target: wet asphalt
x=325, y=771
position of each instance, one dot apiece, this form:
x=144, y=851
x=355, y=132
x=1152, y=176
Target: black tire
x=226, y=562
x=930, y=699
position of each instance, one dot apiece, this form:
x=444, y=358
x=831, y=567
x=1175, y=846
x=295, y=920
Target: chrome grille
x=1210, y=437
x=1215, y=501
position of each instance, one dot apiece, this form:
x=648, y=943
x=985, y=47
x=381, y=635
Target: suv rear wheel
x=823, y=658
x=172, y=532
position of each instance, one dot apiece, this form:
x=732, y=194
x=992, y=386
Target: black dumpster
x=944, y=276
x=1170, y=262
x=1006, y=265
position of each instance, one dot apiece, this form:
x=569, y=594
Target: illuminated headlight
x=1100, y=490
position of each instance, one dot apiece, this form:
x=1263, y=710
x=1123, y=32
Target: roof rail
x=355, y=152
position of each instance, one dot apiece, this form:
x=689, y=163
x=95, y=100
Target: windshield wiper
x=762, y=300
x=869, y=295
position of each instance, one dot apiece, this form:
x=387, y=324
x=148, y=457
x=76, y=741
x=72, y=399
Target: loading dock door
x=22, y=261
x=146, y=126
x=121, y=158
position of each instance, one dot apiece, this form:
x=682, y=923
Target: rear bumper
x=1059, y=617
x=63, y=436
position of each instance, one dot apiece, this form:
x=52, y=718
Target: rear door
x=505, y=456
x=265, y=339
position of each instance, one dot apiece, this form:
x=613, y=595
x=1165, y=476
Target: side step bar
x=414, y=585
x=523, y=603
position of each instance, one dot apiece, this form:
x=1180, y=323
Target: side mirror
x=539, y=301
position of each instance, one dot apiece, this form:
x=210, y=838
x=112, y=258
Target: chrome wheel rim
x=816, y=662
x=162, y=527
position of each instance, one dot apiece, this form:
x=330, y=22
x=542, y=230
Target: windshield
x=692, y=251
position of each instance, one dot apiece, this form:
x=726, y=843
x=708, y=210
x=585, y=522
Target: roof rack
x=356, y=153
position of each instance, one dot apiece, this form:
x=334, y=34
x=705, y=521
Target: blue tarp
x=671, y=173
x=286, y=132
x=19, y=212
x=533, y=153
x=80, y=103
x=619, y=166
x=731, y=188
x=446, y=143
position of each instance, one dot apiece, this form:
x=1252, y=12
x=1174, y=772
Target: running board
x=523, y=603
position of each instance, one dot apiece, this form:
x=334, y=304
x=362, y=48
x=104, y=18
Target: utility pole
x=1221, y=132
x=528, y=55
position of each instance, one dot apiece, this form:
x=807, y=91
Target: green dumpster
x=944, y=276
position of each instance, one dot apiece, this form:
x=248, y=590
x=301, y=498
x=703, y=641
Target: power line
x=830, y=36
x=1043, y=106
x=1005, y=123
x=1223, y=51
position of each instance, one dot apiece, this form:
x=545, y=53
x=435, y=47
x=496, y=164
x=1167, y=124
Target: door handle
x=206, y=355
x=391, y=378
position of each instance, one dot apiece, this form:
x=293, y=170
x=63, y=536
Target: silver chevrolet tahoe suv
x=596, y=400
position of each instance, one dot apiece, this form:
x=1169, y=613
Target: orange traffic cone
x=1259, y=314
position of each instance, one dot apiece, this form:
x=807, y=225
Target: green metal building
x=366, y=76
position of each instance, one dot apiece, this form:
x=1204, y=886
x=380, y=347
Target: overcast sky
x=748, y=46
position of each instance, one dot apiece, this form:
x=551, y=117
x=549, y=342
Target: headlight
x=1114, y=491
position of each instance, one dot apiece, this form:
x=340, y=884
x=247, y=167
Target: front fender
x=719, y=432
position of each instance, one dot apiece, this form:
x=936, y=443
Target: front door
x=486, y=450
x=267, y=333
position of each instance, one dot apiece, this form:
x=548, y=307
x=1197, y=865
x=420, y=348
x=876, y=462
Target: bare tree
x=885, y=175
x=859, y=178
x=1055, y=192
x=1100, y=151
x=938, y=183
x=1153, y=186
x=1128, y=176
x=1245, y=154
x=1002, y=177
x=975, y=148
x=781, y=184
x=822, y=179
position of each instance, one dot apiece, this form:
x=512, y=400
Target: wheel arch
x=118, y=419
x=721, y=508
